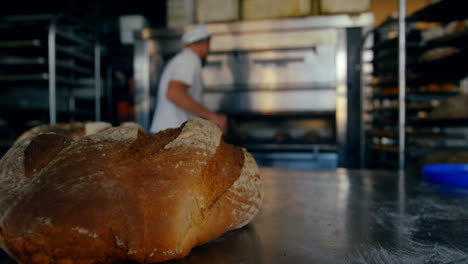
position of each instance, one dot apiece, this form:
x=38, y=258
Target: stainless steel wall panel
x=335, y=21
x=220, y=70
x=275, y=69
x=272, y=40
x=272, y=101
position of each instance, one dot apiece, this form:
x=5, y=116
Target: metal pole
x=109, y=92
x=71, y=104
x=341, y=98
x=97, y=80
x=52, y=74
x=141, y=66
x=362, y=139
x=401, y=82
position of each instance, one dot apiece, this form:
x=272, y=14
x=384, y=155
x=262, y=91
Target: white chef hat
x=195, y=33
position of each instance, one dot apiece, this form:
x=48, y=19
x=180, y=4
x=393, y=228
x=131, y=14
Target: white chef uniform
x=184, y=67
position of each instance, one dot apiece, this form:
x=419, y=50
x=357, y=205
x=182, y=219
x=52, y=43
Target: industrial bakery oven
x=284, y=84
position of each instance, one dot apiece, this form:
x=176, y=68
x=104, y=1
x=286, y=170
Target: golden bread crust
x=121, y=194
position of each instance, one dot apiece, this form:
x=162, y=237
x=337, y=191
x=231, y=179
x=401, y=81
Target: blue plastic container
x=456, y=174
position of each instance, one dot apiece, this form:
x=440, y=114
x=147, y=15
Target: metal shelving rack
x=399, y=128
x=49, y=65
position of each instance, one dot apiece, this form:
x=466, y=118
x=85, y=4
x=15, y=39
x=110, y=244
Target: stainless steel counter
x=348, y=216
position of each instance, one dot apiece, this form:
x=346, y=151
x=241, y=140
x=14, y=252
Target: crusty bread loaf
x=121, y=194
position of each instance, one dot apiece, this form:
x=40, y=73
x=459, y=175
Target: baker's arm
x=177, y=93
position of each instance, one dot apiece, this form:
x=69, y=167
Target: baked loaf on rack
x=121, y=194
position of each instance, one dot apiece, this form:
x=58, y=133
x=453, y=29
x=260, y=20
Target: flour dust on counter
x=424, y=227
x=417, y=253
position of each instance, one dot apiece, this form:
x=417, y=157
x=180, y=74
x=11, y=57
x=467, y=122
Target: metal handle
x=279, y=61
x=214, y=64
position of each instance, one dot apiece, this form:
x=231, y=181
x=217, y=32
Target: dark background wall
x=94, y=12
